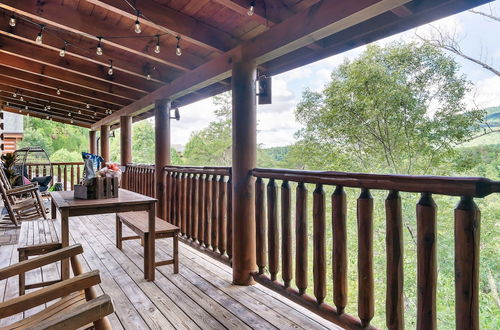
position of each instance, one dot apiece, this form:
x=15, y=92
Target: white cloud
x=485, y=94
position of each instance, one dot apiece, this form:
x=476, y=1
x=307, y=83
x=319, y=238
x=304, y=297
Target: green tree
x=396, y=109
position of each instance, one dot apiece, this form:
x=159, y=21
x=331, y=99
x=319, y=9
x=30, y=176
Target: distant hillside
x=277, y=153
x=492, y=122
x=493, y=116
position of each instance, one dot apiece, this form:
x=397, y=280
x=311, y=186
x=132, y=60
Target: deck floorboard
x=201, y=296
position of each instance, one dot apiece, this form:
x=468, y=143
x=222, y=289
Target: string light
x=79, y=111
x=62, y=52
x=178, y=50
x=110, y=70
x=58, y=91
x=26, y=107
x=69, y=114
x=14, y=94
x=157, y=47
x=95, y=113
x=148, y=77
x=71, y=121
x=39, y=37
x=12, y=21
x=21, y=98
x=48, y=106
x=98, y=50
x=87, y=106
x=137, y=27
x=251, y=9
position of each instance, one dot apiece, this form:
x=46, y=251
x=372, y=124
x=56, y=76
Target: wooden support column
x=125, y=140
x=93, y=142
x=105, y=142
x=244, y=160
x=162, y=151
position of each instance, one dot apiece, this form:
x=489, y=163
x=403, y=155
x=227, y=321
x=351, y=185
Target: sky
x=479, y=37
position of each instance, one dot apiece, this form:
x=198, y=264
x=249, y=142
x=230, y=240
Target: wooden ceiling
x=279, y=36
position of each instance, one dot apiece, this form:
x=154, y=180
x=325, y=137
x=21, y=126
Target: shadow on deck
x=201, y=296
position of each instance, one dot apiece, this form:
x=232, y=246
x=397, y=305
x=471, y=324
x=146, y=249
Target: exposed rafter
x=171, y=21
x=38, y=113
x=59, y=15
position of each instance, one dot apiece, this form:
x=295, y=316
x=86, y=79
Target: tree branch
x=485, y=15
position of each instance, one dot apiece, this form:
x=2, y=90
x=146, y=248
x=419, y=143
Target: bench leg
x=22, y=276
x=176, y=253
x=146, y=256
x=118, y=233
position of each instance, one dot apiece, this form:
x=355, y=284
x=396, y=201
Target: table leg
x=64, y=243
x=53, y=209
x=150, y=245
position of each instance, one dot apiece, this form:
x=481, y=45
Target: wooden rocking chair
x=79, y=305
x=22, y=203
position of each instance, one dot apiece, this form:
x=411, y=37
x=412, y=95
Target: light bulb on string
x=62, y=52
x=98, y=50
x=95, y=113
x=48, y=106
x=21, y=98
x=251, y=9
x=12, y=21
x=71, y=121
x=69, y=114
x=58, y=91
x=157, y=47
x=79, y=111
x=39, y=37
x=14, y=94
x=148, y=76
x=87, y=106
x=137, y=26
x=178, y=50
x=26, y=107
x=110, y=70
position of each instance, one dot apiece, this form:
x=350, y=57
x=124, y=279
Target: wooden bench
x=36, y=237
x=138, y=222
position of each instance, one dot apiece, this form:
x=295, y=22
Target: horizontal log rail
x=274, y=243
x=442, y=185
x=67, y=173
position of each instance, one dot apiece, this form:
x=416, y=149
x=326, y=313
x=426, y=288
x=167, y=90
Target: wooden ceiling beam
x=5, y=86
x=37, y=113
x=76, y=66
x=56, y=107
x=105, y=100
x=82, y=49
x=64, y=76
x=168, y=20
x=50, y=93
x=60, y=15
x=319, y=21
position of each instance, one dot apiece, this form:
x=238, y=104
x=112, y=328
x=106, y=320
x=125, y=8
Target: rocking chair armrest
x=40, y=261
x=54, y=291
x=23, y=189
x=86, y=313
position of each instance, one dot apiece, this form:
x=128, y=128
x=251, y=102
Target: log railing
x=139, y=178
x=68, y=173
x=275, y=239
x=197, y=200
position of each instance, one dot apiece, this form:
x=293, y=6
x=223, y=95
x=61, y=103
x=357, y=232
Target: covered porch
x=255, y=254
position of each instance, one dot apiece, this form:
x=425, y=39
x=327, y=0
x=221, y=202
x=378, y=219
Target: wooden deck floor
x=201, y=296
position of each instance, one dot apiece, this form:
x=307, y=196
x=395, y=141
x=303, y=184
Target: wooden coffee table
x=126, y=201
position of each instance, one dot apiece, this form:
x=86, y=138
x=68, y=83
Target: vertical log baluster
x=72, y=171
x=201, y=209
x=260, y=224
x=65, y=177
x=229, y=227
x=339, y=263
x=215, y=218
x=222, y=221
x=319, y=238
x=78, y=174
x=365, y=257
x=301, y=238
x=286, y=229
x=37, y=170
x=194, y=211
x=183, y=203
x=59, y=173
x=168, y=196
x=175, y=193
x=188, y=205
x=208, y=210
x=30, y=170
x=51, y=174
x=273, y=237
x=467, y=235
x=394, y=307
x=426, y=262
x=44, y=170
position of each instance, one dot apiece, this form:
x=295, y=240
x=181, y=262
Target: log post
x=162, y=151
x=93, y=142
x=244, y=160
x=125, y=140
x=105, y=142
